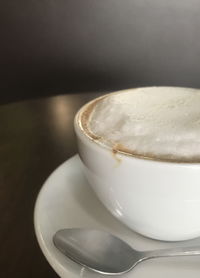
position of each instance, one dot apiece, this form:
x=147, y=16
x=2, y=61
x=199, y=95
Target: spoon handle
x=172, y=252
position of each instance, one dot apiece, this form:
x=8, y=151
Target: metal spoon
x=107, y=254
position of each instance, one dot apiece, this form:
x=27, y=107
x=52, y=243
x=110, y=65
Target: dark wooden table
x=35, y=137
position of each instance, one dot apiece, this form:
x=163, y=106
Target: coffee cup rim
x=78, y=123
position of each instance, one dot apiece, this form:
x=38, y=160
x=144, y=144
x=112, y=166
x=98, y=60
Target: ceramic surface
x=67, y=201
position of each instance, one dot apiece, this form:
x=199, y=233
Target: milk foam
x=161, y=122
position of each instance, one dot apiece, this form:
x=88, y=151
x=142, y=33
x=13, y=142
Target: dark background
x=65, y=46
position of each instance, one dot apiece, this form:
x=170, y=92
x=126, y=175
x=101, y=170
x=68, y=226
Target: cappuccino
x=152, y=122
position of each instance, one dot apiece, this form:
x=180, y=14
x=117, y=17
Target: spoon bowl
x=105, y=253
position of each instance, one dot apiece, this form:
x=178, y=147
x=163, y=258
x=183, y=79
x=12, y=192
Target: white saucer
x=66, y=201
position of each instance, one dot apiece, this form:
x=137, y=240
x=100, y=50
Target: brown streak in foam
x=121, y=148
x=114, y=155
x=85, y=118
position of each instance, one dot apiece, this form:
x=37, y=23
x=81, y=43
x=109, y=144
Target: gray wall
x=72, y=45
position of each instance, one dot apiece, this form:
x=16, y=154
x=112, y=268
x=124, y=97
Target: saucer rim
x=54, y=264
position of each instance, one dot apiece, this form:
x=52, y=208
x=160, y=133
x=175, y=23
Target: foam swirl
x=158, y=122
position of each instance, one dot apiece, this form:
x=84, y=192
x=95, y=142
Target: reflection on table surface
x=35, y=137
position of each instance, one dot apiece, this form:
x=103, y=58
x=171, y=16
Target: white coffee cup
x=156, y=198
